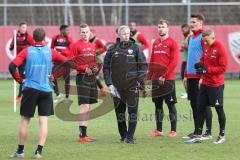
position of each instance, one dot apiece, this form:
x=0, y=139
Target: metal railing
x=66, y=5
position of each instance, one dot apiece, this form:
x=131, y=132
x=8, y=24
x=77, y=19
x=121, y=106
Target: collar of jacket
x=118, y=40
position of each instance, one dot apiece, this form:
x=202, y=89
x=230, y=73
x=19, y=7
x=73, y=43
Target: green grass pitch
x=62, y=138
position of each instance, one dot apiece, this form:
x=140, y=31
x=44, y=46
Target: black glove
x=201, y=71
x=198, y=66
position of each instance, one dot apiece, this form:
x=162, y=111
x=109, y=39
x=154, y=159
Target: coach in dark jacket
x=124, y=70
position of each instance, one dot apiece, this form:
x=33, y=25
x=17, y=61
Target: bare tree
x=219, y=12
x=150, y=18
x=92, y=13
x=59, y=14
x=52, y=14
x=82, y=12
x=120, y=11
x=71, y=17
x=32, y=14
x=102, y=13
x=114, y=19
x=49, y=18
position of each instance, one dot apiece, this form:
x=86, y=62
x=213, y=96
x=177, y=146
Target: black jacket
x=124, y=65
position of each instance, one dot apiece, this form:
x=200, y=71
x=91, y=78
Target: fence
x=115, y=12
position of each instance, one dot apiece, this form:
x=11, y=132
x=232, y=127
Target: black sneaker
x=130, y=141
x=188, y=136
x=37, y=155
x=194, y=139
x=220, y=140
x=122, y=140
x=206, y=136
x=17, y=155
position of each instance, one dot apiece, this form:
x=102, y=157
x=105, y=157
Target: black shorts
x=32, y=98
x=183, y=67
x=129, y=96
x=192, y=88
x=210, y=96
x=87, y=89
x=170, y=97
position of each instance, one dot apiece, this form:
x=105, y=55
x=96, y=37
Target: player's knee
x=219, y=108
x=132, y=110
x=159, y=110
x=193, y=103
x=158, y=105
x=208, y=111
x=172, y=109
x=201, y=109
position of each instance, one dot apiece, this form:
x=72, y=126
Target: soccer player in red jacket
x=165, y=53
x=62, y=44
x=85, y=79
x=139, y=39
x=24, y=40
x=100, y=49
x=212, y=66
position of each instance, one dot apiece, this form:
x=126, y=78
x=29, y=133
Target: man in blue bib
x=36, y=88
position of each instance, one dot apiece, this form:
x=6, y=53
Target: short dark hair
x=207, y=32
x=64, y=26
x=22, y=23
x=185, y=26
x=199, y=16
x=39, y=34
x=162, y=21
x=83, y=25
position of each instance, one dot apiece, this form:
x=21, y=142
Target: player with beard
x=165, y=52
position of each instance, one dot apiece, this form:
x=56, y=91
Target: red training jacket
x=215, y=60
x=85, y=51
x=62, y=44
x=100, y=46
x=164, y=59
x=140, y=39
x=23, y=41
